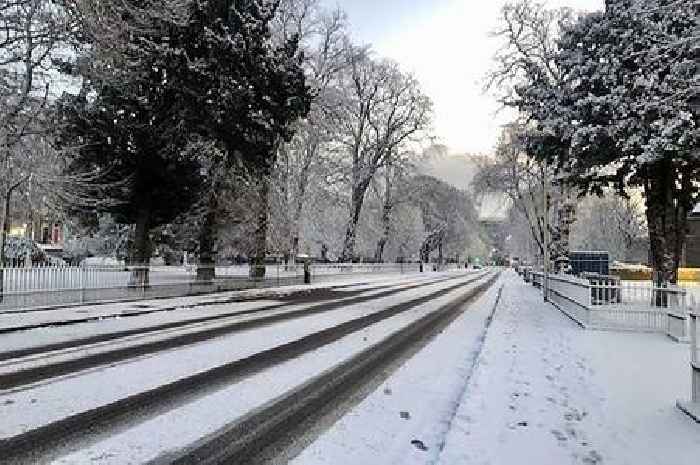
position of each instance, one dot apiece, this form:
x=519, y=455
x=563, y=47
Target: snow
x=537, y=390
x=168, y=432
x=531, y=387
x=546, y=391
x=163, y=311
x=15, y=341
x=63, y=312
x=50, y=401
x=374, y=431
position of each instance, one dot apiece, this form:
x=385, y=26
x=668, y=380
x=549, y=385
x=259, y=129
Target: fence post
x=81, y=272
x=307, y=272
x=694, y=356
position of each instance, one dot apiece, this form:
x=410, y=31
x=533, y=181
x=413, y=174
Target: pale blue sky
x=446, y=44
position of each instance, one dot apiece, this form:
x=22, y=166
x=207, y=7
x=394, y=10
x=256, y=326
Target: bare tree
x=528, y=32
x=392, y=188
x=31, y=32
x=381, y=109
x=305, y=159
x=612, y=223
x=519, y=177
x=526, y=77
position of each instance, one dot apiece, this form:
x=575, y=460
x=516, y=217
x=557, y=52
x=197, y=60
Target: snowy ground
x=415, y=403
x=537, y=390
x=31, y=407
x=511, y=381
x=110, y=317
x=206, y=415
x=545, y=391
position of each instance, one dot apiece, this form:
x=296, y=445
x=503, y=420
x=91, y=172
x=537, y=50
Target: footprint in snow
x=420, y=445
x=593, y=458
x=561, y=437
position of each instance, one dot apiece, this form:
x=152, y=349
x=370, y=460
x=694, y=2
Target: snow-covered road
x=137, y=445
x=10, y=320
x=28, y=409
x=203, y=310
x=386, y=307
x=415, y=404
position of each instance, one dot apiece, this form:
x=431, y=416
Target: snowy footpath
x=544, y=391
x=526, y=386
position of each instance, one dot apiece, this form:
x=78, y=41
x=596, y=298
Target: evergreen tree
x=631, y=73
x=191, y=96
x=242, y=92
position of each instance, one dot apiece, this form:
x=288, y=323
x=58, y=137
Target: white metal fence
x=47, y=286
x=608, y=303
x=17, y=280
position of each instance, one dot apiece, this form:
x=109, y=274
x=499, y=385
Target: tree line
x=607, y=103
x=204, y=124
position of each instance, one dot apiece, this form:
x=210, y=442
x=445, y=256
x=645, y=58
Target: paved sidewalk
x=547, y=392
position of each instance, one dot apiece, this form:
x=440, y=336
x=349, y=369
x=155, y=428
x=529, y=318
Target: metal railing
x=59, y=278
x=606, y=302
x=63, y=285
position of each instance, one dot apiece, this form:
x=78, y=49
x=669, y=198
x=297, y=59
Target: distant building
x=46, y=231
x=493, y=211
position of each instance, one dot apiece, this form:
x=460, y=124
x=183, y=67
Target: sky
x=446, y=44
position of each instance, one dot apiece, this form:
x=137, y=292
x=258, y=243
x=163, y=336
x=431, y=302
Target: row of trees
x=212, y=124
x=607, y=102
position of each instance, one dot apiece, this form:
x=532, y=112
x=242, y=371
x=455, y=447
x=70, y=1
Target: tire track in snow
x=476, y=356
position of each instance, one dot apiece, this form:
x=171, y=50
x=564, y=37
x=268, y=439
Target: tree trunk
x=386, y=229
x=141, y=253
x=206, y=266
x=296, y=228
x=260, y=252
x=4, y=231
x=684, y=205
x=358, y=197
x=381, y=243
x=386, y=215
x=661, y=219
x=667, y=210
